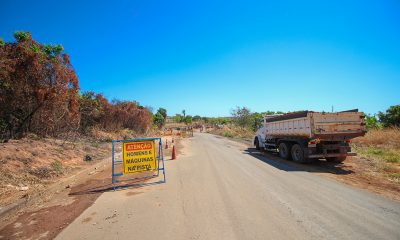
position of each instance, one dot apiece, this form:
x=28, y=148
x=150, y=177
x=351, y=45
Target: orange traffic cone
x=173, y=153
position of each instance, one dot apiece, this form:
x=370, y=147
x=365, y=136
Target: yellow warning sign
x=139, y=156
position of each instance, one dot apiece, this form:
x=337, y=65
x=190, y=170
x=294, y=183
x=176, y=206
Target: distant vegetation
x=241, y=124
x=39, y=93
x=187, y=119
x=390, y=118
x=241, y=117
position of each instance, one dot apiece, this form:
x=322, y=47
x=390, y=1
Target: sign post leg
x=163, y=169
x=112, y=166
x=162, y=158
x=159, y=157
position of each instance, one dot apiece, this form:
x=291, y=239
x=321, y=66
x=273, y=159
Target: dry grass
x=387, y=138
x=233, y=131
x=382, y=149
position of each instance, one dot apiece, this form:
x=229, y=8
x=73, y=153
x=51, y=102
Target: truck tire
x=298, y=154
x=284, y=150
x=257, y=143
x=336, y=159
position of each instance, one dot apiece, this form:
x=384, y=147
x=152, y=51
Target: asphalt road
x=217, y=190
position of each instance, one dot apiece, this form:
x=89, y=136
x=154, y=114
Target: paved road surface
x=219, y=191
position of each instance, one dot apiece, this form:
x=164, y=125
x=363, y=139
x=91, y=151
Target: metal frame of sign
x=159, y=158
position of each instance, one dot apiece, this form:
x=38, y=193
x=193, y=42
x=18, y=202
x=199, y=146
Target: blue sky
x=209, y=56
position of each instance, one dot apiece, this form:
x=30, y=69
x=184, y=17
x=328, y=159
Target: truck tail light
x=348, y=141
x=313, y=143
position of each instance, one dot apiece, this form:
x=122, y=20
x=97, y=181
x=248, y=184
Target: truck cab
x=260, y=135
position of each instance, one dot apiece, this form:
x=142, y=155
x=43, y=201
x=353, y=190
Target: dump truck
x=305, y=136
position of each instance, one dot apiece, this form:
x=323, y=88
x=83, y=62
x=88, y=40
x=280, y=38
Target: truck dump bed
x=307, y=124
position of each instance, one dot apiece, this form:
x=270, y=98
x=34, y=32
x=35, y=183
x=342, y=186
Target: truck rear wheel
x=257, y=143
x=298, y=154
x=336, y=159
x=284, y=150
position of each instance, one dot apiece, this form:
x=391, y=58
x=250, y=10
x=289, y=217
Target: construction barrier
x=138, y=155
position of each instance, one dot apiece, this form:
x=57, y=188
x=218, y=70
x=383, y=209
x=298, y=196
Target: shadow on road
x=100, y=186
x=289, y=166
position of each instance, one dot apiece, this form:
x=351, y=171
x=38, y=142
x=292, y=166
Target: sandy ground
x=219, y=189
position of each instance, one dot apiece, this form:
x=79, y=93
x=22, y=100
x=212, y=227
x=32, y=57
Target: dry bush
x=97, y=112
x=38, y=89
x=385, y=138
x=125, y=114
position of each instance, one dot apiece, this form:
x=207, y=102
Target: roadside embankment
x=29, y=165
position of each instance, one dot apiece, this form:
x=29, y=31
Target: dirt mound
x=28, y=165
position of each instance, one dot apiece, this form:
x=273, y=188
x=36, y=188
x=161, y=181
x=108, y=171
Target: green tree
x=163, y=112
x=242, y=117
x=158, y=120
x=21, y=36
x=160, y=117
x=256, y=119
x=188, y=119
x=184, y=113
x=391, y=118
x=371, y=122
x=178, y=118
x=52, y=50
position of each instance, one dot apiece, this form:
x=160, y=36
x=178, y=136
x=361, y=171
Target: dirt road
x=217, y=190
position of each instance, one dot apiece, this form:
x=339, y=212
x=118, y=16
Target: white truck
x=305, y=136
